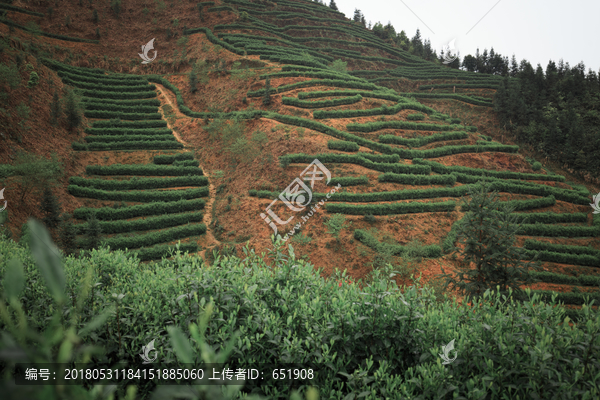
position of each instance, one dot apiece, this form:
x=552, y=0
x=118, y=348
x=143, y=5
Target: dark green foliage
x=115, y=5
x=73, y=109
x=389, y=209
x=354, y=159
x=143, y=196
x=408, y=179
x=415, y=117
x=130, y=124
x=328, y=93
x=581, y=280
x=550, y=218
x=134, y=145
x=122, y=115
x=378, y=125
x=442, y=169
x=95, y=18
x=369, y=240
x=92, y=233
x=154, y=208
x=349, y=181
x=383, y=110
x=292, y=101
x=159, y=251
x=342, y=145
x=50, y=208
x=121, y=108
x=4, y=6
x=316, y=82
x=377, y=305
x=67, y=234
x=266, y=97
x=488, y=234
x=142, y=169
x=139, y=183
x=423, y=140
x=50, y=35
x=536, y=166
x=152, y=238
x=559, y=230
x=560, y=248
x=573, y=259
x=130, y=138
x=55, y=109
x=170, y=159
x=159, y=222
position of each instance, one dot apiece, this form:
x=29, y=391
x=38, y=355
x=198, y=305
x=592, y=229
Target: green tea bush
x=550, y=218
x=159, y=222
x=129, y=86
x=137, y=145
x=559, y=230
x=349, y=181
x=122, y=115
x=415, y=117
x=138, y=196
x=118, y=94
x=152, y=208
x=130, y=138
x=369, y=240
x=561, y=248
x=321, y=82
x=141, y=169
x=423, y=140
x=292, y=101
x=443, y=169
x=137, y=183
x=136, y=102
x=408, y=179
x=367, y=312
x=453, y=96
x=170, y=159
x=115, y=123
x=378, y=125
x=362, y=93
x=342, y=145
x=159, y=251
x=124, y=108
x=358, y=159
x=152, y=238
x=563, y=258
x=581, y=280
x=536, y=166
x=388, y=209
x=383, y=110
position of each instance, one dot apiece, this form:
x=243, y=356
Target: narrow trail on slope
x=207, y=220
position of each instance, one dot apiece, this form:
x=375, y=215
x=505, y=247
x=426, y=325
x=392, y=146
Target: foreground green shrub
x=406, y=330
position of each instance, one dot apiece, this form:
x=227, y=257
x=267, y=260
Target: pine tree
x=92, y=233
x=73, y=109
x=193, y=77
x=267, y=95
x=357, y=15
x=488, y=234
x=333, y=6
x=67, y=234
x=50, y=208
x=55, y=109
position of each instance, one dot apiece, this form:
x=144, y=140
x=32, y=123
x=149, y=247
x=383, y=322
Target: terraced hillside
x=404, y=138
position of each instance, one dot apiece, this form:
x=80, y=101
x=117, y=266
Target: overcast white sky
x=536, y=30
